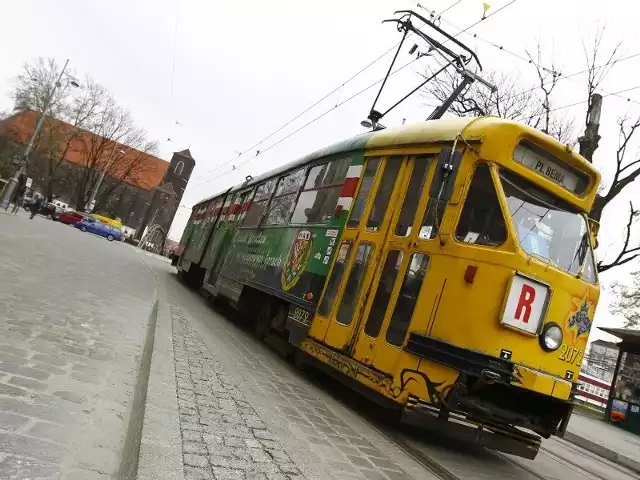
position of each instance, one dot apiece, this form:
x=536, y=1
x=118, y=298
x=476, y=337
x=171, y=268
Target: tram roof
x=420, y=133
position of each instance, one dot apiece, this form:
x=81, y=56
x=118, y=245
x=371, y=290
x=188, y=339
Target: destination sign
x=543, y=164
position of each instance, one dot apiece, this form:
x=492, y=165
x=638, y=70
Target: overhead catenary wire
x=316, y=103
x=237, y=166
x=173, y=66
x=558, y=75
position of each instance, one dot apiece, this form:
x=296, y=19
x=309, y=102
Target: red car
x=71, y=218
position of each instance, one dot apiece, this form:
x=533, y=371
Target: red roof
x=148, y=176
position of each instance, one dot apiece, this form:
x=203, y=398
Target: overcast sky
x=243, y=69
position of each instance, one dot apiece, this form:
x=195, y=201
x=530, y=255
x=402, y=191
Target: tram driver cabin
x=444, y=269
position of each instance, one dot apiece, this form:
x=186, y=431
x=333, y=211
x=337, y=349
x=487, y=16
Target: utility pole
x=94, y=192
x=11, y=186
x=589, y=141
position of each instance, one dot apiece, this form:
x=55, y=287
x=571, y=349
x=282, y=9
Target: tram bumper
x=458, y=427
x=497, y=395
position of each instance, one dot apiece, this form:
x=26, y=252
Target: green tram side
x=268, y=243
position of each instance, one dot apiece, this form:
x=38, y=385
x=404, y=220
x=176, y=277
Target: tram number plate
x=300, y=315
x=571, y=355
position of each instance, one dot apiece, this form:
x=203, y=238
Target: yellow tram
x=445, y=268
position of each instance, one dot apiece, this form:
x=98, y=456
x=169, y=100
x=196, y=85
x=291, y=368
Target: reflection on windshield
x=547, y=228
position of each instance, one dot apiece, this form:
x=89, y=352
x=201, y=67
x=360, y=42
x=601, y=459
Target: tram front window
x=547, y=227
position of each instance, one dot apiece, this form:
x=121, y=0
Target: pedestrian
x=35, y=206
x=19, y=199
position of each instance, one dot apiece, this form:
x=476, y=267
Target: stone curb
x=129, y=462
x=603, y=452
x=161, y=441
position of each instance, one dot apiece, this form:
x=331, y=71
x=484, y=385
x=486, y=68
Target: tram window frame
x=244, y=206
x=469, y=236
x=368, y=250
x=384, y=192
x=426, y=161
x=332, y=175
x=333, y=283
x=405, y=320
x=386, y=286
x=366, y=184
x=261, y=198
x=283, y=192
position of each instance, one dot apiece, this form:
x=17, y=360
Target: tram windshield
x=548, y=228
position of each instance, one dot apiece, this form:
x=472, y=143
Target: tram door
x=362, y=240
x=401, y=270
x=368, y=243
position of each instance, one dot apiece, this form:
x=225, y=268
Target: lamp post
x=22, y=170
x=94, y=192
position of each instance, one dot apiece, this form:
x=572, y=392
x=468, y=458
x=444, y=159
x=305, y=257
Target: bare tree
x=33, y=86
x=112, y=126
x=626, y=301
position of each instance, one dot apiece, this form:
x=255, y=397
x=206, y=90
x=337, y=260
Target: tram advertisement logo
x=297, y=259
x=580, y=318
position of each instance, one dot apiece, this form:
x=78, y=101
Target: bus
x=444, y=269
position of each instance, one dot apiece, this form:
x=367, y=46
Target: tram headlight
x=551, y=337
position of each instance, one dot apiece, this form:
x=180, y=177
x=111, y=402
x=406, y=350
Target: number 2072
x=571, y=355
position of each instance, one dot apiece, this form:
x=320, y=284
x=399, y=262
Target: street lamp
x=94, y=192
x=22, y=170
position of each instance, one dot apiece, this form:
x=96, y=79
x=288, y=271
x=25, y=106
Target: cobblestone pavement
x=73, y=314
x=223, y=437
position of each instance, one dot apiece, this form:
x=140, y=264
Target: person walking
x=19, y=199
x=35, y=206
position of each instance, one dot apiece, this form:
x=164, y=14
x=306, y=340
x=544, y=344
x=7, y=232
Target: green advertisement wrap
x=292, y=261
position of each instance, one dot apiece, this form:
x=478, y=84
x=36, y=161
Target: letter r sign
x=525, y=304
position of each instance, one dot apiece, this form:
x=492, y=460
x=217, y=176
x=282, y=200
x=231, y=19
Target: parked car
x=47, y=209
x=71, y=218
x=92, y=225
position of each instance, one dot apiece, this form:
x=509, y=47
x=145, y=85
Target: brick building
x=138, y=188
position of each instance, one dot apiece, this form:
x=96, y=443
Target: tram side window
x=285, y=198
x=363, y=195
x=407, y=298
x=225, y=208
x=260, y=202
x=326, y=304
x=317, y=202
x=412, y=197
x=383, y=293
x=354, y=284
x=243, y=206
x=432, y=219
x=385, y=188
x=481, y=221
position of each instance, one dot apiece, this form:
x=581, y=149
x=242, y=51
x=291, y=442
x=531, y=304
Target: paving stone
x=28, y=383
x=195, y=473
x=11, y=422
x=14, y=467
x=24, y=371
x=10, y=390
x=32, y=447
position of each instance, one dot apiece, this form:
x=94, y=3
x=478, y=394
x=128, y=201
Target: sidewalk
x=605, y=440
x=74, y=315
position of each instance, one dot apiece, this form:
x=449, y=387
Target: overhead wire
x=173, y=63
x=289, y=122
x=558, y=75
x=315, y=119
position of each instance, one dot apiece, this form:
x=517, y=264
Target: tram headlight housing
x=551, y=337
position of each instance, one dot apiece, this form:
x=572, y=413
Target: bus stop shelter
x=623, y=406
